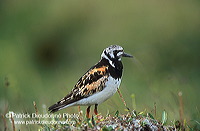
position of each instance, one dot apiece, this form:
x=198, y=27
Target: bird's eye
x=117, y=53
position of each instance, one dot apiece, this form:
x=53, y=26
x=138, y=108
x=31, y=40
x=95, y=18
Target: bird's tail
x=56, y=107
x=63, y=103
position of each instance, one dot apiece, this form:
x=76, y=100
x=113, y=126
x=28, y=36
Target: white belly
x=111, y=87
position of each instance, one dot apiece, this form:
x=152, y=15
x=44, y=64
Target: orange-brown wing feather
x=91, y=82
x=94, y=87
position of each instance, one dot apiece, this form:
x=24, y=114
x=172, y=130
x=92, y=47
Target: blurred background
x=46, y=46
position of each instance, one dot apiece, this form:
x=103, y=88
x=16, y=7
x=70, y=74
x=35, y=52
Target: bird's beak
x=126, y=55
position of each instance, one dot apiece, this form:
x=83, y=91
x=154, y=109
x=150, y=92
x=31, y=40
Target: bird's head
x=114, y=52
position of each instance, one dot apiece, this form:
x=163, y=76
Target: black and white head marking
x=114, y=53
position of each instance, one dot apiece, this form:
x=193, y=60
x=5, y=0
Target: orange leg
x=88, y=112
x=95, y=109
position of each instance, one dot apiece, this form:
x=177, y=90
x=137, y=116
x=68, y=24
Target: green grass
x=131, y=119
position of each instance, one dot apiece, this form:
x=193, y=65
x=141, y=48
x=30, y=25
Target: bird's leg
x=88, y=112
x=95, y=109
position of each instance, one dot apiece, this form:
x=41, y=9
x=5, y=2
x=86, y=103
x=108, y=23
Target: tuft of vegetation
x=130, y=121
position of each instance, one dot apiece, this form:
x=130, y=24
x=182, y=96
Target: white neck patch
x=104, y=56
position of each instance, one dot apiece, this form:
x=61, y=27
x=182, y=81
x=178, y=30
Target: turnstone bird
x=98, y=84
